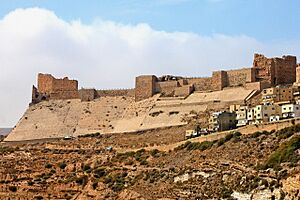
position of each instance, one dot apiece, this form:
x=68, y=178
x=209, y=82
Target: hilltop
x=58, y=108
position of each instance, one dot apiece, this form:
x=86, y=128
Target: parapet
x=52, y=88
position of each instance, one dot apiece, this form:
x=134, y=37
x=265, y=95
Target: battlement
x=265, y=72
x=52, y=88
x=275, y=71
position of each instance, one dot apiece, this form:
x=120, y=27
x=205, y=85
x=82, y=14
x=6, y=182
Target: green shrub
x=288, y=131
x=86, y=168
x=82, y=180
x=228, y=137
x=256, y=134
x=48, y=166
x=12, y=188
x=285, y=153
x=62, y=165
x=154, y=153
x=226, y=192
x=99, y=172
x=118, y=187
x=220, y=142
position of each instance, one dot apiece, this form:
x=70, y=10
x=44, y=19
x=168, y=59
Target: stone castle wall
x=48, y=84
x=239, y=77
x=52, y=88
x=144, y=87
x=285, y=69
x=266, y=72
x=116, y=93
x=201, y=84
x=275, y=70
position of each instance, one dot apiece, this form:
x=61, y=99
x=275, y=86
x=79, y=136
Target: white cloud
x=106, y=54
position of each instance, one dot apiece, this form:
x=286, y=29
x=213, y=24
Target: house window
x=266, y=115
x=284, y=108
x=297, y=108
x=273, y=108
x=258, y=115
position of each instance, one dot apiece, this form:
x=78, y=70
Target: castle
x=265, y=72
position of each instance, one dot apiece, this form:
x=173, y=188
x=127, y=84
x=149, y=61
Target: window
x=284, y=108
x=273, y=108
x=258, y=115
x=266, y=115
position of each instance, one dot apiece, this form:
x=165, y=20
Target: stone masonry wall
x=57, y=88
x=264, y=68
x=184, y=91
x=88, y=94
x=115, y=93
x=240, y=77
x=144, y=87
x=166, y=88
x=285, y=69
x=201, y=84
x=219, y=80
x=275, y=70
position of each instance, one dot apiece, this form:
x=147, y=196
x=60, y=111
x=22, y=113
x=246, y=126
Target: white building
x=290, y=110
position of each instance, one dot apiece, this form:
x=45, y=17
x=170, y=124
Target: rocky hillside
x=60, y=118
x=262, y=165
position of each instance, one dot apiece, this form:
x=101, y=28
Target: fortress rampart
x=265, y=72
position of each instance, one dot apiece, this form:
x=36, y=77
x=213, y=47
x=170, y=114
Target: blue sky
x=105, y=44
x=267, y=20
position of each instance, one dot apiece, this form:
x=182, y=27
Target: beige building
x=290, y=110
x=241, y=114
x=263, y=113
x=277, y=94
x=222, y=121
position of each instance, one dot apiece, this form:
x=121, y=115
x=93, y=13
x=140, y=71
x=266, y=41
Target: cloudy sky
x=105, y=44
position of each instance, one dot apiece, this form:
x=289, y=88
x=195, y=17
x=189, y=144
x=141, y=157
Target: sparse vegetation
x=285, y=153
x=12, y=188
x=48, y=166
x=62, y=165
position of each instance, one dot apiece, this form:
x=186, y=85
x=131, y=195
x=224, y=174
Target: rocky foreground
x=263, y=165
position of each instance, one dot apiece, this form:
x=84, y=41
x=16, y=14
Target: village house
x=241, y=114
x=222, y=121
x=290, y=110
x=277, y=94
